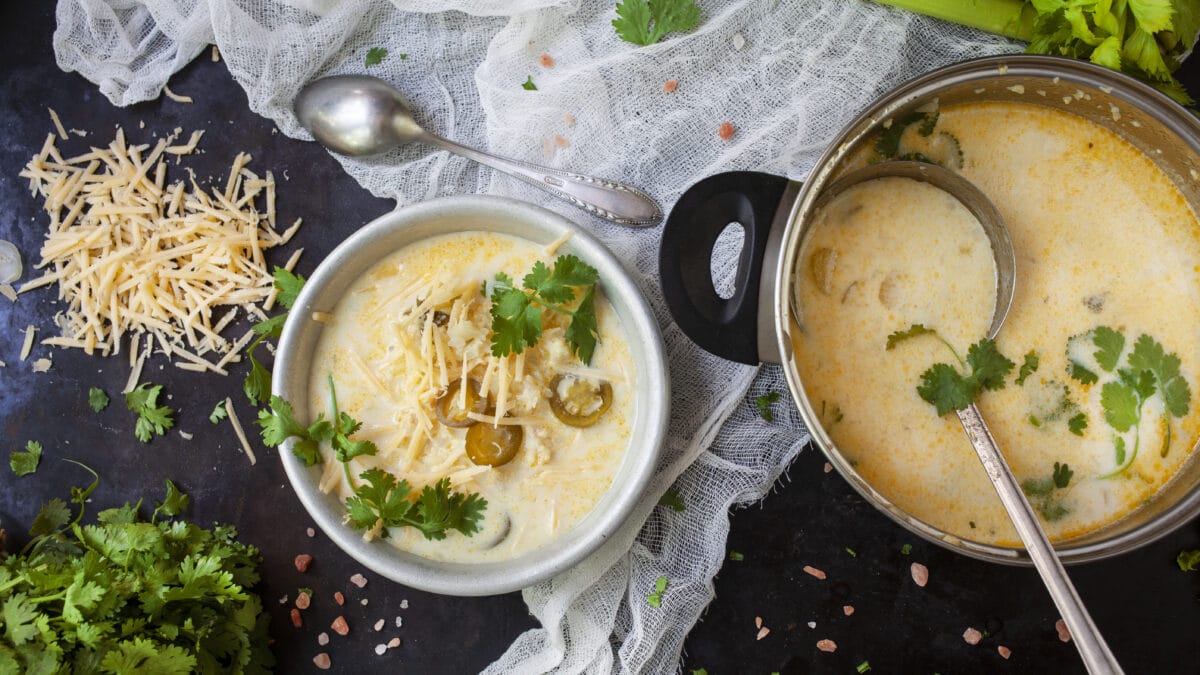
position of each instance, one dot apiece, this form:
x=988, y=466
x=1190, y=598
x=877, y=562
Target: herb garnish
x=257, y=384
x=25, y=463
x=1028, y=368
x=218, y=413
x=644, y=22
x=528, y=84
x=375, y=56
x=126, y=595
x=863, y=667
x=1043, y=492
x=946, y=387
x=736, y=557
x=153, y=419
x=1148, y=370
x=1188, y=561
x=655, y=598
x=97, y=399
x=517, y=312
x=381, y=501
x=906, y=549
x=764, y=403
x=672, y=499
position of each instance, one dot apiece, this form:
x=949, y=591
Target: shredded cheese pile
x=138, y=258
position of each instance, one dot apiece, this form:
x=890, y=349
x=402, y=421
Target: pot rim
x=924, y=88
x=409, y=224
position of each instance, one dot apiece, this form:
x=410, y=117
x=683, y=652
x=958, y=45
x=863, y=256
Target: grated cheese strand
x=237, y=429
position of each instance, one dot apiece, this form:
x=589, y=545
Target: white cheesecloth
x=805, y=67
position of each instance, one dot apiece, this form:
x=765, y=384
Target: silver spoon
x=1091, y=645
x=360, y=115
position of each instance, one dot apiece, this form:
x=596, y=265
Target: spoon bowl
x=360, y=115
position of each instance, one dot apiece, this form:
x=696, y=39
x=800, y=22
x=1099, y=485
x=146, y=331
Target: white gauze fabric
x=803, y=70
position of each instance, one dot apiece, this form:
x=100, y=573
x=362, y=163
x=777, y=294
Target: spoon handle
x=1091, y=645
x=617, y=202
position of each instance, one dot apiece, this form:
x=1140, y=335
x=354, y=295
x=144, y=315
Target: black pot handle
x=727, y=328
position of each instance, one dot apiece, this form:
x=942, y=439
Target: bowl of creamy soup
x=479, y=395
x=876, y=300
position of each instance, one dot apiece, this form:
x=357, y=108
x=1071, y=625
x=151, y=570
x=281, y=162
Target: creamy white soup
x=399, y=345
x=1108, y=286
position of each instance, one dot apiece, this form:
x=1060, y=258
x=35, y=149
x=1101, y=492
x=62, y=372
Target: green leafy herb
x=736, y=557
x=1062, y=475
x=153, y=419
x=764, y=403
x=97, y=399
x=517, y=313
x=1143, y=38
x=1188, y=561
x=1078, y=372
x=175, y=503
x=1028, y=368
x=382, y=502
x=655, y=598
x=948, y=389
x=528, y=84
x=672, y=499
x=863, y=667
x=375, y=56
x=1043, y=492
x=25, y=463
x=913, y=331
x=218, y=413
x=126, y=595
x=257, y=385
x=906, y=549
x=1109, y=344
x=644, y=22
x=888, y=143
x=1077, y=423
x=852, y=552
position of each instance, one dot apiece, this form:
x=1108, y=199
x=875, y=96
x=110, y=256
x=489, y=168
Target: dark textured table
x=1147, y=608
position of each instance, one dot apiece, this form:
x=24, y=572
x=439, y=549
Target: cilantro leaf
x=97, y=399
x=1188, y=561
x=988, y=366
x=279, y=424
x=913, y=331
x=375, y=56
x=1109, y=344
x=288, y=284
x=517, y=313
x=1079, y=372
x=1149, y=355
x=174, y=504
x=53, y=515
x=257, y=385
x=644, y=22
x=272, y=327
x=764, y=403
x=528, y=84
x=1062, y=475
x=25, y=463
x=906, y=549
x=655, y=599
x=672, y=499
x=1028, y=368
x=218, y=413
x=736, y=556
x=442, y=510
x=946, y=388
x=1121, y=405
x=1077, y=424
x=153, y=419
x=516, y=322
x=583, y=333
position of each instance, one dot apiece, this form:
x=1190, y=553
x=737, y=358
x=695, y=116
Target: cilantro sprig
x=1147, y=370
x=381, y=500
x=125, y=594
x=26, y=462
x=257, y=384
x=1045, y=494
x=517, y=313
x=644, y=22
x=949, y=388
x=152, y=419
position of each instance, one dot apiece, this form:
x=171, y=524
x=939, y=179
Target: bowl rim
x=361, y=250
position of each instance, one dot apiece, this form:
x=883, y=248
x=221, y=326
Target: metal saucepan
x=756, y=323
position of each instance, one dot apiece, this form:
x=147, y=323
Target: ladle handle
x=617, y=202
x=1091, y=645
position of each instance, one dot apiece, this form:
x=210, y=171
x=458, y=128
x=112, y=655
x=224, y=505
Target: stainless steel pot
x=757, y=323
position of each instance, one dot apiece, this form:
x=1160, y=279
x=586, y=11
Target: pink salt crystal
x=358, y=580
x=827, y=646
x=920, y=574
x=828, y=467
x=972, y=636
x=561, y=141
x=1063, y=633
x=322, y=661
x=763, y=632
x=847, y=609
x=547, y=61
x=809, y=569
x=1005, y=652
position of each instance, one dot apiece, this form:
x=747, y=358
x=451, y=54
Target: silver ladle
x=1091, y=645
x=360, y=115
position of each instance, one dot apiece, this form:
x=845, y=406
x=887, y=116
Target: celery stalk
x=1010, y=18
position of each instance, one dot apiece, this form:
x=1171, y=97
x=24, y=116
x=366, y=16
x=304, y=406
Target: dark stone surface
x=1146, y=607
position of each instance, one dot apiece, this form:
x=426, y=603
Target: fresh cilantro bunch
x=1148, y=370
x=644, y=22
x=381, y=501
x=258, y=382
x=517, y=312
x=949, y=388
x=130, y=595
x=153, y=419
